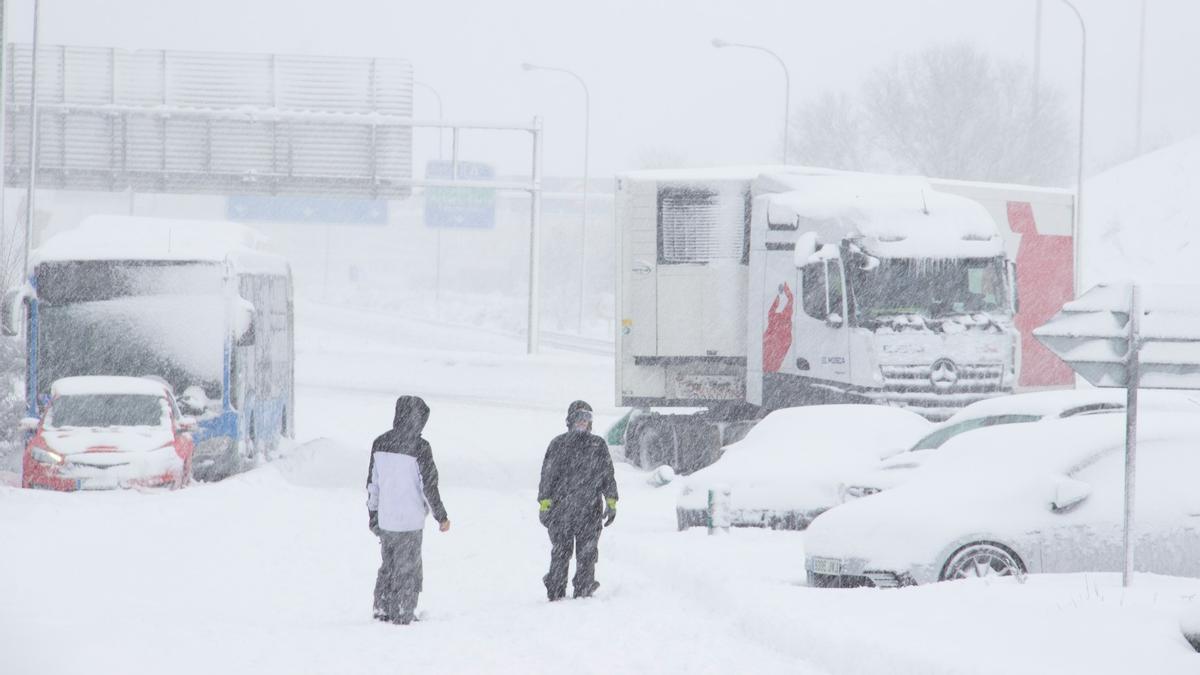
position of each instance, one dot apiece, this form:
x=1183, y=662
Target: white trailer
x=747, y=290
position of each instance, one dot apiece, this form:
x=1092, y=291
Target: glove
x=373, y=522
x=612, y=512
x=544, y=512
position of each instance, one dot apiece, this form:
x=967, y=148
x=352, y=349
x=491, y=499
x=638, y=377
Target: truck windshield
x=132, y=318
x=930, y=288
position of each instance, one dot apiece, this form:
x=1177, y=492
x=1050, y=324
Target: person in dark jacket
x=402, y=488
x=578, y=492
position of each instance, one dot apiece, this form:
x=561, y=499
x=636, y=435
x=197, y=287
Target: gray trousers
x=584, y=542
x=400, y=576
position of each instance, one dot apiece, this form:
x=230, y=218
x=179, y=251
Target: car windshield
x=930, y=288
x=937, y=438
x=107, y=410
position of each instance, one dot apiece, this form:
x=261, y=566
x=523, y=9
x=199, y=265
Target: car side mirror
x=188, y=424
x=1069, y=493
x=29, y=424
x=193, y=401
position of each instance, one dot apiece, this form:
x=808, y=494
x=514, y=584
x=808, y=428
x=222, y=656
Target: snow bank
x=1141, y=219
x=326, y=463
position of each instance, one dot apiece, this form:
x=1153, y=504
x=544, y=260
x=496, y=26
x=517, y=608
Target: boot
x=587, y=591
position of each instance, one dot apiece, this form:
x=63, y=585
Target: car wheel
x=982, y=560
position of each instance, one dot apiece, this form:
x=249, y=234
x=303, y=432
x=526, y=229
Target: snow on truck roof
x=897, y=217
x=97, y=384
x=138, y=238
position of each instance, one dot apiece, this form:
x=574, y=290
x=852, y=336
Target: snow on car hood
x=795, y=458
x=993, y=483
x=72, y=440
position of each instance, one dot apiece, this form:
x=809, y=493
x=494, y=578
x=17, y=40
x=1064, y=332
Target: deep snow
x=271, y=571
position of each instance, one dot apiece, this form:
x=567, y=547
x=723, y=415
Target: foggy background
x=661, y=94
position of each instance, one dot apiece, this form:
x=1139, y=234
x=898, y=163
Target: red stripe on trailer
x=1045, y=280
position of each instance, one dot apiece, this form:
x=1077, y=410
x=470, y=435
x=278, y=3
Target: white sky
x=656, y=82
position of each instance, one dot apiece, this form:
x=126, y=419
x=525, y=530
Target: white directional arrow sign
x=1093, y=334
x=1130, y=336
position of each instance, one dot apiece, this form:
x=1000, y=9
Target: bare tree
x=832, y=132
x=949, y=112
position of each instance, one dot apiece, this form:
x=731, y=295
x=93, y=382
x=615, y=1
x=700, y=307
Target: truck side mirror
x=834, y=320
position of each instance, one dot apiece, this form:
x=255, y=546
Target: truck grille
x=940, y=389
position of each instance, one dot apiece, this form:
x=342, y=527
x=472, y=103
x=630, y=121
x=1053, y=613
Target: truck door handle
x=641, y=267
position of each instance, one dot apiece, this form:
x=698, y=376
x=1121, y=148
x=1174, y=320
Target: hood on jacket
x=578, y=410
x=411, y=415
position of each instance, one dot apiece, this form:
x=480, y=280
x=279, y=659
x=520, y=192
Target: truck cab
x=878, y=290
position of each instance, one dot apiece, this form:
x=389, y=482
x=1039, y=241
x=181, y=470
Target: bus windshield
x=132, y=318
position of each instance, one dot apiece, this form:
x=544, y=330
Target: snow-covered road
x=271, y=571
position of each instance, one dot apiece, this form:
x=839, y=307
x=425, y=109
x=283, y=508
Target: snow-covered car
x=789, y=466
x=1016, y=409
x=1023, y=498
x=100, y=433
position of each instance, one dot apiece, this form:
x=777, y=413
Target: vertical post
x=33, y=137
x=1141, y=77
x=1133, y=377
x=1037, y=57
x=328, y=255
x=1077, y=229
x=719, y=508
x=535, y=218
x=587, y=135
x=3, y=159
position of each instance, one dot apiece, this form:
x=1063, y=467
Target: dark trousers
x=584, y=541
x=400, y=576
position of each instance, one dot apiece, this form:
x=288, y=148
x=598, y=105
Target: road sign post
x=1130, y=336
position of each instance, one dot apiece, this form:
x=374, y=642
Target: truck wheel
x=649, y=441
x=699, y=444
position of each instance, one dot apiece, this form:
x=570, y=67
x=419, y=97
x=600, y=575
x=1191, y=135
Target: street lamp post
x=33, y=137
x=1076, y=235
x=587, y=124
x=787, y=85
x=437, y=256
x=1141, y=77
x=437, y=97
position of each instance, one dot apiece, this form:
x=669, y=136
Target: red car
x=100, y=433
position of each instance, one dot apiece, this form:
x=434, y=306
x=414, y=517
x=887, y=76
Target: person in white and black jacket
x=402, y=488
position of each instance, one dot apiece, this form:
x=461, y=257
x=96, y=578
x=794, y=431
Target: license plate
x=710, y=387
x=825, y=565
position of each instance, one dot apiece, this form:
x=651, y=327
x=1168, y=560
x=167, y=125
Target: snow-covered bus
x=197, y=304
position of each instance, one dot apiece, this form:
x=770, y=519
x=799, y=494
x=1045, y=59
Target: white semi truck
x=747, y=290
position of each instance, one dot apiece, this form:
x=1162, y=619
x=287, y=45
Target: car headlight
x=859, y=491
x=45, y=455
